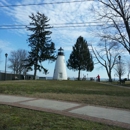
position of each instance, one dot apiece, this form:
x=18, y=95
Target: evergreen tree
x=40, y=42
x=80, y=58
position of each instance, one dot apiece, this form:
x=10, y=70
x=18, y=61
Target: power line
x=45, y=3
x=70, y=26
x=58, y=25
x=10, y=28
x=63, y=26
x=75, y=26
x=96, y=22
x=76, y=23
x=11, y=25
x=52, y=27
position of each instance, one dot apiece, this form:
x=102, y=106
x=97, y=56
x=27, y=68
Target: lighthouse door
x=60, y=75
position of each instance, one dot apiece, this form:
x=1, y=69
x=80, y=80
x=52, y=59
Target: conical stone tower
x=60, y=66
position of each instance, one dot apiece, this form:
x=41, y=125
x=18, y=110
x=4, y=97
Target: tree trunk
x=110, y=78
x=109, y=74
x=35, y=72
x=120, y=77
x=79, y=75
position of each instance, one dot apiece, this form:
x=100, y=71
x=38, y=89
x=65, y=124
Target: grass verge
x=76, y=91
x=12, y=118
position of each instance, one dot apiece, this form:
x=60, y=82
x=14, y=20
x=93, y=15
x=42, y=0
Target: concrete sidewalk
x=111, y=116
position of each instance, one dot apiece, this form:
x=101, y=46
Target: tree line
x=114, y=35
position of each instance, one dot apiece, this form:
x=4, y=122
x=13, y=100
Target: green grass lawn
x=12, y=118
x=76, y=91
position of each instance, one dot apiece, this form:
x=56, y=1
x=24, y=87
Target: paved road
x=111, y=116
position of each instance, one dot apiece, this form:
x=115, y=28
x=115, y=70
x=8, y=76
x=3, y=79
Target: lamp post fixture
x=119, y=58
x=5, y=63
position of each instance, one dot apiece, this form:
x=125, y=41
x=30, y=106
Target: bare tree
x=115, y=16
x=120, y=68
x=17, y=61
x=107, y=56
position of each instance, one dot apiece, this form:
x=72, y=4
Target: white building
x=60, y=66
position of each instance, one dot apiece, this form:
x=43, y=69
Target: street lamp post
x=5, y=63
x=119, y=57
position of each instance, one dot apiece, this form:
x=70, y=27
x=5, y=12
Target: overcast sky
x=60, y=13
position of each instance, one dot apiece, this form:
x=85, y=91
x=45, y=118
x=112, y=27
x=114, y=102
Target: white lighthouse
x=60, y=66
